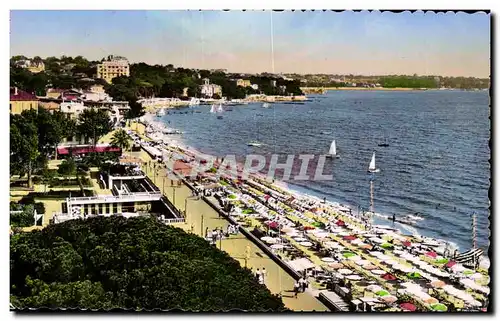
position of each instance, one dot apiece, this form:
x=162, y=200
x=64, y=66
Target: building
x=209, y=90
x=64, y=94
x=116, y=67
x=21, y=100
x=128, y=192
x=31, y=65
x=72, y=109
x=49, y=104
x=96, y=93
x=243, y=83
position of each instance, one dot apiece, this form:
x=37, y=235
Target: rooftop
x=21, y=95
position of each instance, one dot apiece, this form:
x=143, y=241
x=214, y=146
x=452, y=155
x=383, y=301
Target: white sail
x=372, y=167
x=333, y=149
x=213, y=110
x=219, y=109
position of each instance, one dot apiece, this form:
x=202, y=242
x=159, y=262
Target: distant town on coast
x=137, y=83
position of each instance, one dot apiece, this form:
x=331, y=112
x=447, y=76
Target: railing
x=174, y=220
x=119, y=198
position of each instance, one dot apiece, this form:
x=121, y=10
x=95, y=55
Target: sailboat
x=332, y=153
x=160, y=112
x=372, y=168
x=254, y=142
x=219, y=110
x=213, y=109
x=265, y=105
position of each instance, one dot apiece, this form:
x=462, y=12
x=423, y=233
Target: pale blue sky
x=304, y=42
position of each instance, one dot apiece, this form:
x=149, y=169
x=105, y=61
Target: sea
x=437, y=162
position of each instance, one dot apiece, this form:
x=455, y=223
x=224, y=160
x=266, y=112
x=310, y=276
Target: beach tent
x=408, y=306
x=301, y=264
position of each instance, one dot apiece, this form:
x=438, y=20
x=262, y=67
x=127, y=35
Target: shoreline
x=183, y=147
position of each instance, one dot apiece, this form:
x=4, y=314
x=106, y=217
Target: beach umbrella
x=414, y=275
x=345, y=271
x=389, y=277
x=431, y=254
x=377, y=240
x=306, y=244
x=340, y=223
x=328, y=259
x=266, y=238
x=406, y=243
x=374, y=288
x=476, y=276
x=391, y=262
x=389, y=299
x=272, y=224
x=441, y=261
x=376, y=253
x=378, y=272
x=387, y=245
x=450, y=264
x=348, y=254
x=431, y=300
x=300, y=239
x=468, y=272
x=382, y=293
x=402, y=268
x=277, y=246
x=336, y=265
x=288, y=230
x=439, y=307
x=355, y=258
x=366, y=246
x=349, y=237
x=369, y=267
x=309, y=228
x=353, y=277
x=408, y=307
x=437, y=284
x=362, y=262
x=356, y=241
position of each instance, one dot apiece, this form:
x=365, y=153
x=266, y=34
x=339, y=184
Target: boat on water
x=255, y=144
x=219, y=111
x=383, y=145
x=372, y=168
x=160, y=112
x=332, y=153
x=266, y=105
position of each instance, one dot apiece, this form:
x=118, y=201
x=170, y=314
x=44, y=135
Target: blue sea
x=436, y=164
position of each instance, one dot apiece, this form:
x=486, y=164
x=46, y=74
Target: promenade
x=200, y=216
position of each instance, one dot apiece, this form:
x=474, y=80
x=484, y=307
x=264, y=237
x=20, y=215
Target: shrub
x=135, y=263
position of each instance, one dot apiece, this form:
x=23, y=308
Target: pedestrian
x=261, y=279
x=264, y=274
x=257, y=274
x=296, y=287
x=301, y=284
x=393, y=218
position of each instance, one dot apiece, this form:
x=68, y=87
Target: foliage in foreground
x=135, y=263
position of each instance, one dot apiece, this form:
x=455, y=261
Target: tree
x=93, y=124
x=135, y=263
x=121, y=139
x=67, y=167
x=23, y=147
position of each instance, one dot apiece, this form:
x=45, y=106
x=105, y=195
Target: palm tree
x=121, y=139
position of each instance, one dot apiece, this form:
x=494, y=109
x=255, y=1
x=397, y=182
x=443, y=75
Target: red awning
x=450, y=264
x=86, y=149
x=408, y=307
x=388, y=277
x=431, y=254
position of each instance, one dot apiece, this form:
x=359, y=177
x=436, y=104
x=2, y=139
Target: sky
x=360, y=43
